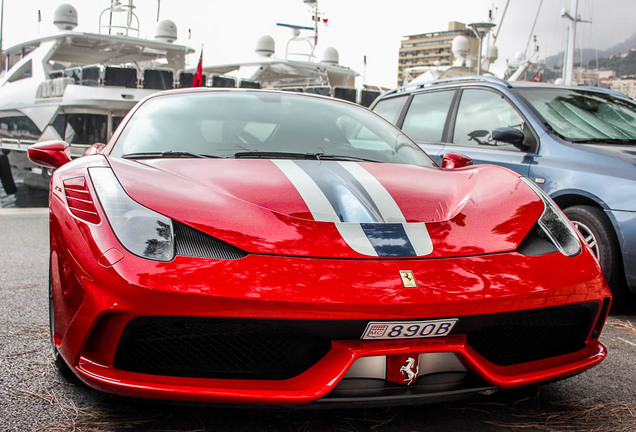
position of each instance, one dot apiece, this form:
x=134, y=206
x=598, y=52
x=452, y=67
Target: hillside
x=622, y=65
x=590, y=54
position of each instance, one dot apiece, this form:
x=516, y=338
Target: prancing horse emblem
x=408, y=279
x=407, y=369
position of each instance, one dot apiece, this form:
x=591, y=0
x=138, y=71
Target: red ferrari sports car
x=257, y=246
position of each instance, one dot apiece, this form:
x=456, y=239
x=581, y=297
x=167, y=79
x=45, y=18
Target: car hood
x=625, y=152
x=338, y=209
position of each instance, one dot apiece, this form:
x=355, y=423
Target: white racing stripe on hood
x=321, y=209
x=383, y=200
x=354, y=233
x=314, y=198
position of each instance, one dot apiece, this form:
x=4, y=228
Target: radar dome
x=166, y=31
x=65, y=17
x=493, y=53
x=265, y=46
x=330, y=56
x=461, y=46
x=520, y=56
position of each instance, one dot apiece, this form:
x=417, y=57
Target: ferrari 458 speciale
x=256, y=246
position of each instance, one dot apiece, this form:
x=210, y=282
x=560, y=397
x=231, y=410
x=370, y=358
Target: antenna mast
x=1, y=28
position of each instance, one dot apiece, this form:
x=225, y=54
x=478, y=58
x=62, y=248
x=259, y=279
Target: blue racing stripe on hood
x=349, y=199
x=389, y=239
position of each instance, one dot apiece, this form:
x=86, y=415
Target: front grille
x=193, y=243
x=517, y=337
x=217, y=348
x=279, y=349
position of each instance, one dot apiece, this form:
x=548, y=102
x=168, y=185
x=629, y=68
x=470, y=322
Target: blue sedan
x=577, y=144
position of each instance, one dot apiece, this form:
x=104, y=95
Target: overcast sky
x=229, y=28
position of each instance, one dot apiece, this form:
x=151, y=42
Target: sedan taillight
x=79, y=199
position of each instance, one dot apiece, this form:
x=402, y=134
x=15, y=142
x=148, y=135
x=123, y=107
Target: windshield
x=583, y=115
x=262, y=124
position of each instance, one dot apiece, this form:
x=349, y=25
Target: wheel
x=58, y=361
x=599, y=235
x=6, y=177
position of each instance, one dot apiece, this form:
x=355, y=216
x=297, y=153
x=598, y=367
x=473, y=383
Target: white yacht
x=78, y=86
x=299, y=69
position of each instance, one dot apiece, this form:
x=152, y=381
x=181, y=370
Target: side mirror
x=455, y=160
x=50, y=154
x=511, y=136
x=94, y=149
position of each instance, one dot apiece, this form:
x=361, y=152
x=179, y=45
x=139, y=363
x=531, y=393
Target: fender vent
x=79, y=199
x=193, y=243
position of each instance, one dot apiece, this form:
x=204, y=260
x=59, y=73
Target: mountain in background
x=590, y=55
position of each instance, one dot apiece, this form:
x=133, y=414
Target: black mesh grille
x=511, y=338
x=217, y=348
x=280, y=349
x=194, y=243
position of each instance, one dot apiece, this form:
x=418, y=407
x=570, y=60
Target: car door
x=479, y=111
x=426, y=120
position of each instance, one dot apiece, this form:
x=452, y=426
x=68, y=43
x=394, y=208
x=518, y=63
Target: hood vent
x=193, y=243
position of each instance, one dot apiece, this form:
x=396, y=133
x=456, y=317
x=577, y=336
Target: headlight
x=142, y=231
x=555, y=225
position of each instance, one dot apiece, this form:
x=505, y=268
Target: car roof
x=485, y=79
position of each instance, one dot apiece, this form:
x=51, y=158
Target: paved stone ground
x=33, y=397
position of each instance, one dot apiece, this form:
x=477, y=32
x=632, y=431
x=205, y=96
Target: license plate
x=409, y=329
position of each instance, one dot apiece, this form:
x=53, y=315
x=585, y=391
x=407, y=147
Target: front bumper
x=94, y=313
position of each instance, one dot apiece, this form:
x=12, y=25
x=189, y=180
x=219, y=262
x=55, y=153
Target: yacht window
x=82, y=128
x=13, y=59
x=18, y=128
x=116, y=121
x=74, y=73
x=25, y=71
x=90, y=75
x=120, y=77
x=158, y=79
x=345, y=93
x=368, y=96
x=221, y=81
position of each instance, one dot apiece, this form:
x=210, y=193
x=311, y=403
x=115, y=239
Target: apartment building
x=433, y=49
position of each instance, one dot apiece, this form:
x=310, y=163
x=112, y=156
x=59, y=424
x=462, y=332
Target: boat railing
x=16, y=143
x=163, y=79
x=131, y=77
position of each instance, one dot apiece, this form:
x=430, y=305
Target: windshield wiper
x=165, y=154
x=603, y=141
x=292, y=155
x=323, y=156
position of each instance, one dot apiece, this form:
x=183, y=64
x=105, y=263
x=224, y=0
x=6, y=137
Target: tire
x=599, y=234
x=58, y=361
x=6, y=177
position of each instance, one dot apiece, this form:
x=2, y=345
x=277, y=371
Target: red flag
x=198, y=77
x=537, y=77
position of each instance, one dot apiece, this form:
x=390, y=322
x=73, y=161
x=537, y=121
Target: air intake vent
x=194, y=243
x=218, y=348
x=79, y=199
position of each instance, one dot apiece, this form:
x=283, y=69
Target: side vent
x=193, y=243
x=79, y=199
x=536, y=243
